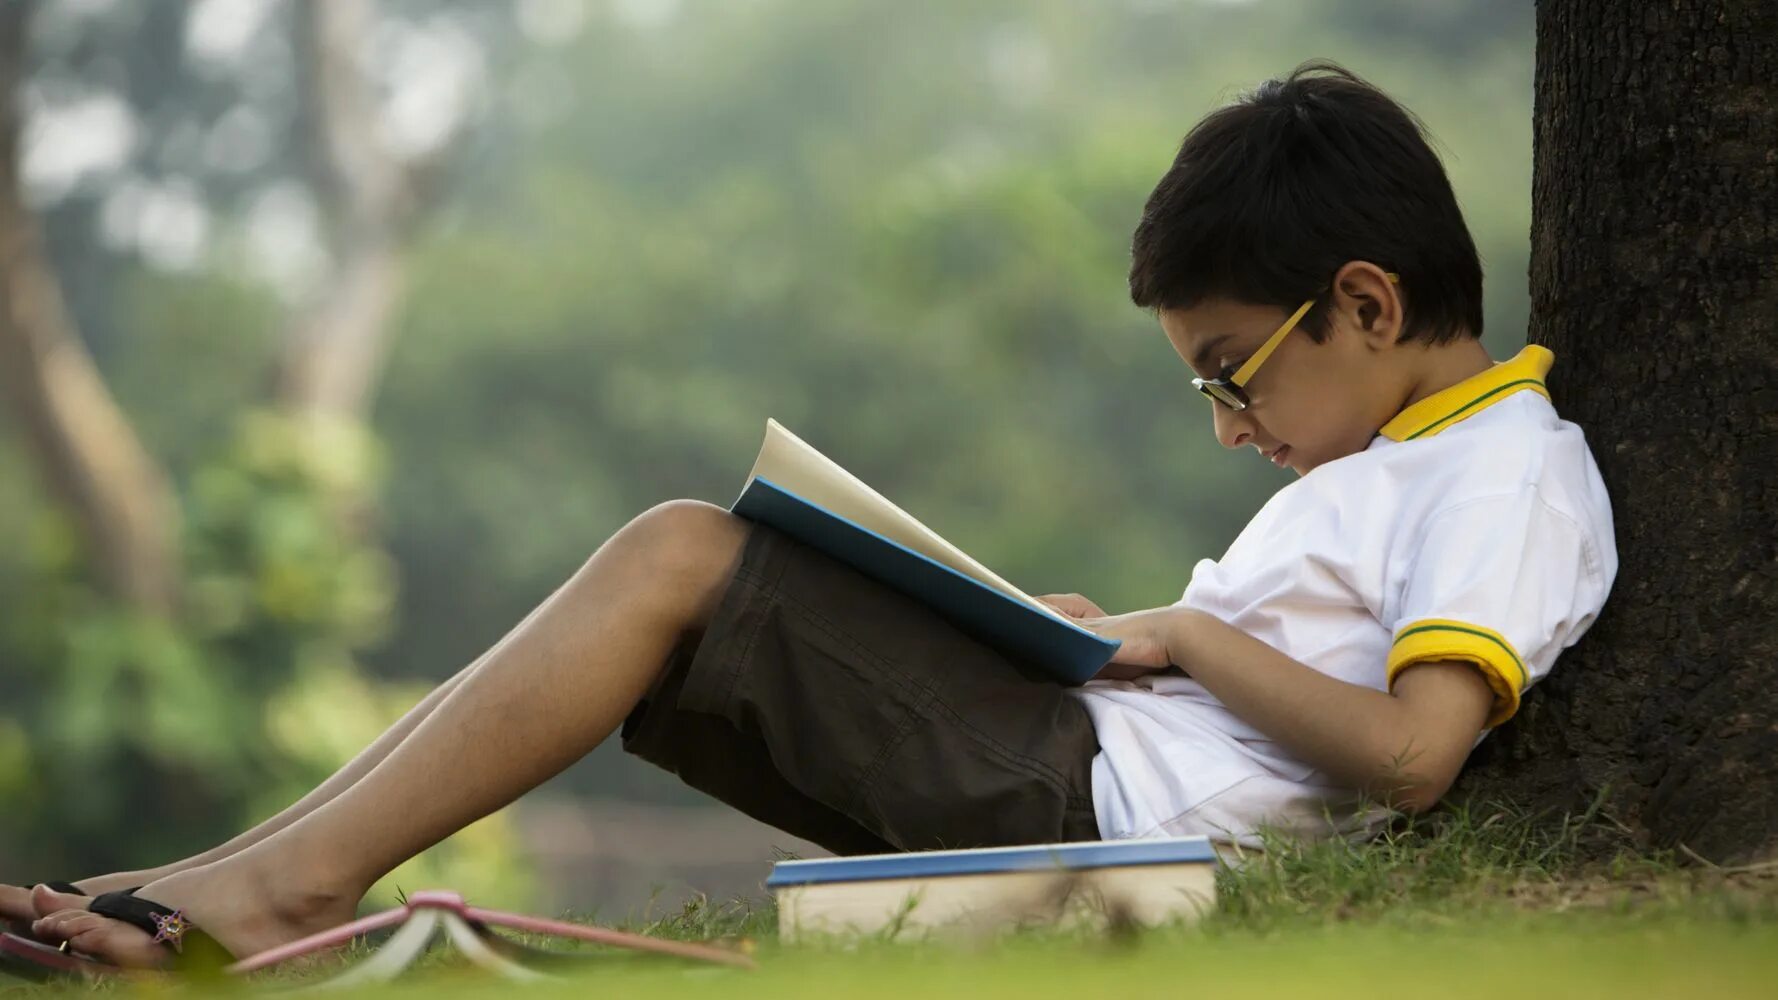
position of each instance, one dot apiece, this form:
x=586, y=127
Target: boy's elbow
x=1417, y=799
x=1424, y=789
x=1414, y=790
x=1442, y=710
x=1409, y=799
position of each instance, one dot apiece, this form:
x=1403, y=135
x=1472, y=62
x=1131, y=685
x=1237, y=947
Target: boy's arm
x=1404, y=748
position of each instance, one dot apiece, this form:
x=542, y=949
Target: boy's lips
x=1277, y=456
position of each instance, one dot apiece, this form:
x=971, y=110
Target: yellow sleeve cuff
x=1443, y=639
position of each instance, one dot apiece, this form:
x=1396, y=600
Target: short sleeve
x=1504, y=582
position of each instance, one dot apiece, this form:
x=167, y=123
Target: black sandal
x=193, y=950
x=22, y=928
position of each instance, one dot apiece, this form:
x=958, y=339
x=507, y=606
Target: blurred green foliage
x=900, y=229
x=130, y=708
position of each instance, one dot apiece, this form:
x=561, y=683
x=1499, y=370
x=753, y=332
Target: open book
x=806, y=495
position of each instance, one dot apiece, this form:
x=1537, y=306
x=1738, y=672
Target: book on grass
x=808, y=496
x=1144, y=882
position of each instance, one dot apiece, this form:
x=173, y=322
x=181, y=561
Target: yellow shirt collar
x=1456, y=403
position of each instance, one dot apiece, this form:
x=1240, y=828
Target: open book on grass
x=806, y=495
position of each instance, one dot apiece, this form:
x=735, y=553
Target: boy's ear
x=1367, y=303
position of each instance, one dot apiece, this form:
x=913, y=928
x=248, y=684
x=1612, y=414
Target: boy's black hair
x=1270, y=195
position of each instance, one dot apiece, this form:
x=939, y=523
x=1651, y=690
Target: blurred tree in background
x=174, y=634
x=633, y=230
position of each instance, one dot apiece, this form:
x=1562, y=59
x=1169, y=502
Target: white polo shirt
x=1473, y=527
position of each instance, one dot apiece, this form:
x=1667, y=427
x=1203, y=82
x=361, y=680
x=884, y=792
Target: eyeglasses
x=1229, y=390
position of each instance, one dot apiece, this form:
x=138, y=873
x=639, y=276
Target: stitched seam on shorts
x=873, y=772
x=740, y=659
x=1089, y=817
x=920, y=693
x=1032, y=766
x=814, y=617
x=752, y=576
x=925, y=695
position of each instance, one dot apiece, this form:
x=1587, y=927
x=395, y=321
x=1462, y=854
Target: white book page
x=792, y=463
x=1149, y=894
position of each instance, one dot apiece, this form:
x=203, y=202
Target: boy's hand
x=1073, y=605
x=1146, y=637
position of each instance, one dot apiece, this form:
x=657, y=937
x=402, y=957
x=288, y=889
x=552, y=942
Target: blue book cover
x=931, y=864
x=1071, y=653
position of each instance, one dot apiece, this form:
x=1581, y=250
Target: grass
x=1462, y=903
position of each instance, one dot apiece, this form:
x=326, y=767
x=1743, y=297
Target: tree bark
x=1654, y=280
x=91, y=457
x=334, y=348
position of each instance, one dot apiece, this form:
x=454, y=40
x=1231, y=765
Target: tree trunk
x=335, y=347
x=1654, y=279
x=91, y=457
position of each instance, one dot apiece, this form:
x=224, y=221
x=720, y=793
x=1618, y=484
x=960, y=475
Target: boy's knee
x=693, y=547
x=688, y=526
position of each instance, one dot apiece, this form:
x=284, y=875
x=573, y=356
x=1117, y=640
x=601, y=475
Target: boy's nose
x=1234, y=428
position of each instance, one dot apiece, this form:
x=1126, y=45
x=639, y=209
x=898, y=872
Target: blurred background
x=397, y=311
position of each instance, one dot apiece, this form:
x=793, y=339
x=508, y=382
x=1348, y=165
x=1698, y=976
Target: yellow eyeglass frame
x=1231, y=391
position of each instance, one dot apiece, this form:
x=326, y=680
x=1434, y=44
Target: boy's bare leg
x=15, y=901
x=540, y=701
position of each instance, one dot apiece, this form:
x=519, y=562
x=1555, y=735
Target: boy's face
x=1308, y=403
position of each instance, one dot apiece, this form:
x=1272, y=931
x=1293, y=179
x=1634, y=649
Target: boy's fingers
x=62, y=924
x=110, y=939
x=118, y=942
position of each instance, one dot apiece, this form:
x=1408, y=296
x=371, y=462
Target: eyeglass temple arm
x=1259, y=357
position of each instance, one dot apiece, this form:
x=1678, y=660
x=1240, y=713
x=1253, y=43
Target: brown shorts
x=837, y=709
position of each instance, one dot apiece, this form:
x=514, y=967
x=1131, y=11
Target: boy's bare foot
x=245, y=912
x=15, y=900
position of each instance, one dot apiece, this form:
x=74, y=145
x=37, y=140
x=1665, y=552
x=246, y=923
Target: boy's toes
x=45, y=901
x=15, y=903
x=103, y=938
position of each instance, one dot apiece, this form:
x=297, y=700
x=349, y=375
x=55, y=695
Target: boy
x=1448, y=536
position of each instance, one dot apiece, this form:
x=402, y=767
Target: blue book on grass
x=993, y=860
x=1146, y=882
x=808, y=496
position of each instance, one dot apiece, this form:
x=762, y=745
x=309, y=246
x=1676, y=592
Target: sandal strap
x=144, y=913
x=194, y=949
x=67, y=888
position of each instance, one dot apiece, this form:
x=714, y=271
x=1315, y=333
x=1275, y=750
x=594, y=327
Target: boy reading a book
x=1447, y=537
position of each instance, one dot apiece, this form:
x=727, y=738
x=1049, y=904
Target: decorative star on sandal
x=170, y=929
